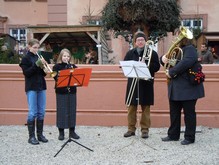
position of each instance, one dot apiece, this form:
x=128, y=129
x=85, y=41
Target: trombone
x=146, y=57
x=46, y=67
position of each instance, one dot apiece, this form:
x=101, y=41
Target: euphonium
x=175, y=52
x=46, y=67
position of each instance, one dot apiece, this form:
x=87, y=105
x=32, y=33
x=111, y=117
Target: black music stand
x=73, y=77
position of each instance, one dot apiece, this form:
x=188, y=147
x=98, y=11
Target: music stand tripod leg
x=62, y=147
x=68, y=141
x=81, y=145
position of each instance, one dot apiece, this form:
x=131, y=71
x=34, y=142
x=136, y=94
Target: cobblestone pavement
x=109, y=147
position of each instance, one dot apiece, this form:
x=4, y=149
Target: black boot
x=31, y=129
x=72, y=133
x=61, y=134
x=40, y=131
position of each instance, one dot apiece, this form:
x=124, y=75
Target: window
x=19, y=34
x=94, y=22
x=91, y=20
x=197, y=23
x=186, y=23
x=193, y=23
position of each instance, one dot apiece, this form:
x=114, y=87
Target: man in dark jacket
x=143, y=90
x=182, y=94
x=205, y=56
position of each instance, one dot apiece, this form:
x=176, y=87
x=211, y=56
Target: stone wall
x=102, y=103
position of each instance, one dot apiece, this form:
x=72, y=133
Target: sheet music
x=135, y=69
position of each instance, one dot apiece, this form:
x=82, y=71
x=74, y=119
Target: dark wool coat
x=146, y=87
x=179, y=87
x=66, y=100
x=34, y=76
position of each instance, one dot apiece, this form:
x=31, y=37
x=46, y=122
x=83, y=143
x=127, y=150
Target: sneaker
x=129, y=133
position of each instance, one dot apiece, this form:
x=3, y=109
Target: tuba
x=46, y=67
x=175, y=53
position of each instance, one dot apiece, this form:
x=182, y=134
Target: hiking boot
x=129, y=133
x=144, y=135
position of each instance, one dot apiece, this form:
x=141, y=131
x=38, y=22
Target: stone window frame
x=204, y=18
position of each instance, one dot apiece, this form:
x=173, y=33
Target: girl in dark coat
x=65, y=98
x=35, y=88
x=146, y=88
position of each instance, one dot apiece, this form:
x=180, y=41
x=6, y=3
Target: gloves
x=39, y=63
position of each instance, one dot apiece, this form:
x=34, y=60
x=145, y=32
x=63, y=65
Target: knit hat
x=139, y=34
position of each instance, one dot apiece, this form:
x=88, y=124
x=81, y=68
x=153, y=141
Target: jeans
x=36, y=104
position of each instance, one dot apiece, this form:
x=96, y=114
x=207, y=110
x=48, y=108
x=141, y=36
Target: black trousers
x=189, y=119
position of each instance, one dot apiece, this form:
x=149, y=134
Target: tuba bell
x=175, y=53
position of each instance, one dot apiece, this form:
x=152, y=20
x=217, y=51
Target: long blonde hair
x=59, y=59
